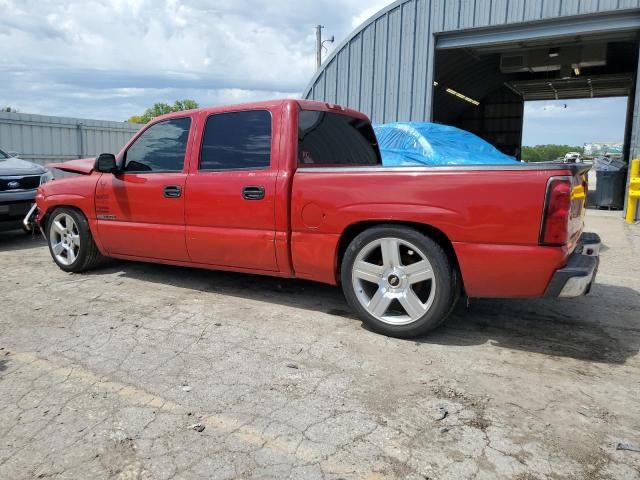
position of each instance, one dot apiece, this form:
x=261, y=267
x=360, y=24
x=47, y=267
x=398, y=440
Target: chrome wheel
x=64, y=238
x=394, y=281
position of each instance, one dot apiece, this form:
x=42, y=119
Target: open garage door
x=483, y=77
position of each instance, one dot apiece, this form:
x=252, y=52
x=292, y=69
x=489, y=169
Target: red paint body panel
x=134, y=217
x=491, y=215
x=83, y=166
x=308, y=248
x=516, y=271
x=469, y=206
x=222, y=228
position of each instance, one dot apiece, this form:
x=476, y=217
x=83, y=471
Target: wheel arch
x=51, y=208
x=90, y=222
x=57, y=200
x=437, y=235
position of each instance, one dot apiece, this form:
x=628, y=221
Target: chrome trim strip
x=17, y=190
x=443, y=168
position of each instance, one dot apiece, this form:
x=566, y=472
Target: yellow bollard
x=634, y=191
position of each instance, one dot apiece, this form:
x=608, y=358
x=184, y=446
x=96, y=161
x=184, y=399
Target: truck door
x=230, y=195
x=140, y=210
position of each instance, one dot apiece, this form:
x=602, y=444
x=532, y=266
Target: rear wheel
x=400, y=282
x=70, y=241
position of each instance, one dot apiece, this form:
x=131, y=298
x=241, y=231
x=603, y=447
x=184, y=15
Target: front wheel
x=70, y=241
x=400, y=282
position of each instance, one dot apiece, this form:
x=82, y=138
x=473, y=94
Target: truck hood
x=83, y=166
x=17, y=166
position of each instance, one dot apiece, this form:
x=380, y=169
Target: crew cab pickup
x=295, y=188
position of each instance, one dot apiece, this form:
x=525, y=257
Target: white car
x=572, y=157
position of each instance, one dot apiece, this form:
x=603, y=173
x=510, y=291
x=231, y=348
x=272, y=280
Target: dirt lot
x=102, y=375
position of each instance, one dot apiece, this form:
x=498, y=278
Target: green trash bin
x=611, y=182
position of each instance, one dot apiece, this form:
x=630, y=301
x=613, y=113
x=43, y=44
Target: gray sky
x=111, y=59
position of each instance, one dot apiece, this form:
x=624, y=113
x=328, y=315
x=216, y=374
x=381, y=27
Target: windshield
x=3, y=155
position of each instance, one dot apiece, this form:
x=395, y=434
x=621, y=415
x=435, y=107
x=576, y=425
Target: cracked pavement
x=103, y=374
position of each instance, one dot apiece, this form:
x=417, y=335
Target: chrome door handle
x=172, y=191
x=253, y=192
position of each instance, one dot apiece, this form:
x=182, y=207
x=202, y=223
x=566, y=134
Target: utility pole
x=320, y=45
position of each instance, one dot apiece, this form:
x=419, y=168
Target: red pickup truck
x=294, y=188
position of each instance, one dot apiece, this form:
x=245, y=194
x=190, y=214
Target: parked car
x=19, y=181
x=572, y=157
x=296, y=189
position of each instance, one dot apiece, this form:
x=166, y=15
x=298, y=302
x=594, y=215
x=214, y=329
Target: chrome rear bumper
x=576, y=278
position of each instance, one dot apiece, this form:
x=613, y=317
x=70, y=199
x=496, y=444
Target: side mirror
x=105, y=163
x=13, y=154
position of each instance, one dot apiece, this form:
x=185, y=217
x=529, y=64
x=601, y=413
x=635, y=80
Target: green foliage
x=136, y=119
x=163, y=108
x=185, y=104
x=547, y=153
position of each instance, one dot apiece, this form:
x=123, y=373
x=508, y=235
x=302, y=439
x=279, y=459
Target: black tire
x=88, y=256
x=444, y=273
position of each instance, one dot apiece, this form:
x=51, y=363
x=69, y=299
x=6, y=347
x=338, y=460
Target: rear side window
x=332, y=139
x=237, y=141
x=160, y=148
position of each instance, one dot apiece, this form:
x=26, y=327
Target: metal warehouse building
x=473, y=63
x=45, y=139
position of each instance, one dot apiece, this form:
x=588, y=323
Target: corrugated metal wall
x=44, y=139
x=385, y=68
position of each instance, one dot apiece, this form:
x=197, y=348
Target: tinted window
x=237, y=140
x=334, y=139
x=160, y=148
x=3, y=155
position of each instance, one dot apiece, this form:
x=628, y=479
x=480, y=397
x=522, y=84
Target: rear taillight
x=555, y=218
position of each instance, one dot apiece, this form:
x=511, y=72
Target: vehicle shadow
x=14, y=240
x=602, y=327
x=283, y=291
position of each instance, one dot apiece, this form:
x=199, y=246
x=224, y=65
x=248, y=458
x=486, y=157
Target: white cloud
x=113, y=58
x=372, y=8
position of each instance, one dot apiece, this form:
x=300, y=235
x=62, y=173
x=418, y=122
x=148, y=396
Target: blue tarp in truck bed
x=423, y=143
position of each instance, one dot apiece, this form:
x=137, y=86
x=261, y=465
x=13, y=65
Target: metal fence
x=45, y=139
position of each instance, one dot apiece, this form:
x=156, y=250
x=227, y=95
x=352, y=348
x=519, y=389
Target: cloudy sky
x=574, y=122
x=111, y=59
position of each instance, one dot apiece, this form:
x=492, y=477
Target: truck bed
x=491, y=215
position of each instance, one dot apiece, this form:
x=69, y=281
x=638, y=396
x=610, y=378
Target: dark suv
x=19, y=181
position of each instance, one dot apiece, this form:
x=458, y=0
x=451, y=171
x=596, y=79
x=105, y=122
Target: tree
x=185, y=104
x=136, y=119
x=547, y=153
x=8, y=109
x=163, y=108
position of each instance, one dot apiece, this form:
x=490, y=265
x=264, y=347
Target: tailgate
x=579, y=190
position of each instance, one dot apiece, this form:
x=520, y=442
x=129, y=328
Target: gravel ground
x=104, y=375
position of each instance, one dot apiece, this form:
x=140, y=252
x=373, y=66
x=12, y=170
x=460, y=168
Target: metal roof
x=385, y=67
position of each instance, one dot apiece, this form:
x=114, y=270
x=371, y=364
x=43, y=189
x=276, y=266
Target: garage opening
x=575, y=129
x=483, y=88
